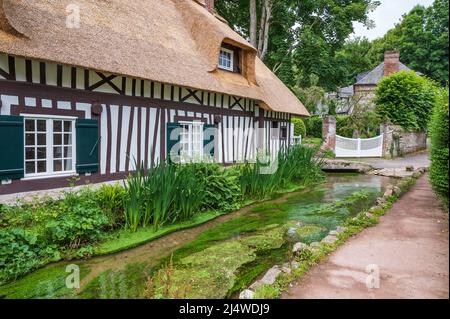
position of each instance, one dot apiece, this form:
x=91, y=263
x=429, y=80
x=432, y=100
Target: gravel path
x=409, y=247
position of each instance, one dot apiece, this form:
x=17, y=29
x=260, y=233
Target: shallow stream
x=221, y=257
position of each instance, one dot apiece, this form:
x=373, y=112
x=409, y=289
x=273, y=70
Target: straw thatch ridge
x=171, y=41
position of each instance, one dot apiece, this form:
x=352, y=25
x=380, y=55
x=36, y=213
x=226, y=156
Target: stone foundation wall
x=399, y=142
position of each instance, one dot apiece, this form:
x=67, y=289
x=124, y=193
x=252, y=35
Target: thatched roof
x=170, y=41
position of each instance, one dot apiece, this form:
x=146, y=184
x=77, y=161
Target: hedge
x=438, y=128
x=313, y=126
x=406, y=99
x=299, y=127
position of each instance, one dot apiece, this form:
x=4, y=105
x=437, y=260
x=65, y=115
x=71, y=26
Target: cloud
x=386, y=16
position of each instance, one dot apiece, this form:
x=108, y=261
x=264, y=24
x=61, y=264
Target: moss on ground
x=209, y=273
x=45, y=283
x=129, y=283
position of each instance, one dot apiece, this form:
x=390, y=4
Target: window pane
x=29, y=139
x=41, y=125
x=29, y=125
x=57, y=166
x=68, y=139
x=57, y=139
x=57, y=152
x=41, y=139
x=57, y=126
x=29, y=153
x=67, y=126
x=68, y=164
x=41, y=153
x=67, y=151
x=41, y=166
x=30, y=168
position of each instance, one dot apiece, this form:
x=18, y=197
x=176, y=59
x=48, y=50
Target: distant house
x=89, y=87
x=363, y=90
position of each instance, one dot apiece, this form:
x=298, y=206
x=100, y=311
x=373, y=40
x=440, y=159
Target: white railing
x=358, y=147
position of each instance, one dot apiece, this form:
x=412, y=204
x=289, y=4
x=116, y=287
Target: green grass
x=316, y=141
x=126, y=239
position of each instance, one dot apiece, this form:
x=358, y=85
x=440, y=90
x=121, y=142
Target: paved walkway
x=416, y=160
x=410, y=247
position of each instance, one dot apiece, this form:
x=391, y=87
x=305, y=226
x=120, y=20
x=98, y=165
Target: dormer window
x=226, y=59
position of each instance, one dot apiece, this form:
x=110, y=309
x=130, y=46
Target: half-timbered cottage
x=90, y=88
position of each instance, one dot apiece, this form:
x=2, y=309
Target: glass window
x=48, y=146
x=191, y=141
x=226, y=59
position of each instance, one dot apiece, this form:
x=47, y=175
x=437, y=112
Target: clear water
x=325, y=206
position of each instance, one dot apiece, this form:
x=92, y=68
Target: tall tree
x=422, y=38
x=282, y=29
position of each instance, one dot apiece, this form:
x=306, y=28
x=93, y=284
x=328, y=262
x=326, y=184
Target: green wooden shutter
x=87, y=146
x=173, y=137
x=209, y=132
x=12, y=147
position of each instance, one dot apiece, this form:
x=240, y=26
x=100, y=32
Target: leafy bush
x=366, y=124
x=169, y=193
x=21, y=252
x=84, y=224
x=111, y=200
x=439, y=144
x=299, y=127
x=405, y=99
x=221, y=187
x=313, y=126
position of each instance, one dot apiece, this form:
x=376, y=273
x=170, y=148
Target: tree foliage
x=303, y=36
x=422, y=38
x=405, y=99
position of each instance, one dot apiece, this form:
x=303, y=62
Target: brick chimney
x=209, y=4
x=391, y=62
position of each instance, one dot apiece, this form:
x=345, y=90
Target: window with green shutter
x=12, y=147
x=87, y=142
x=209, y=133
x=173, y=137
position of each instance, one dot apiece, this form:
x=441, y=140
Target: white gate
x=357, y=147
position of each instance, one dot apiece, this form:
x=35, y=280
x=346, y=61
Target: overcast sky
x=386, y=16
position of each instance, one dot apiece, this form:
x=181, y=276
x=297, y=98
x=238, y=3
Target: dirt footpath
x=409, y=247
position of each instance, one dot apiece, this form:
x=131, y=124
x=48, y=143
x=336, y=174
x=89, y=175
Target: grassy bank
x=153, y=203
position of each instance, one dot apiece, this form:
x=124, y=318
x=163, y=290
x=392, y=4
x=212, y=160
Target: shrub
x=439, y=144
x=406, y=99
x=313, y=126
x=82, y=223
x=21, y=252
x=111, y=200
x=299, y=127
x=221, y=187
x=366, y=123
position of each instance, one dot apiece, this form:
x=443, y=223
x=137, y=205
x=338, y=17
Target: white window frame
x=190, y=157
x=224, y=67
x=49, y=146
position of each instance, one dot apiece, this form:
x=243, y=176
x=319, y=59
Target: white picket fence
x=358, y=147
